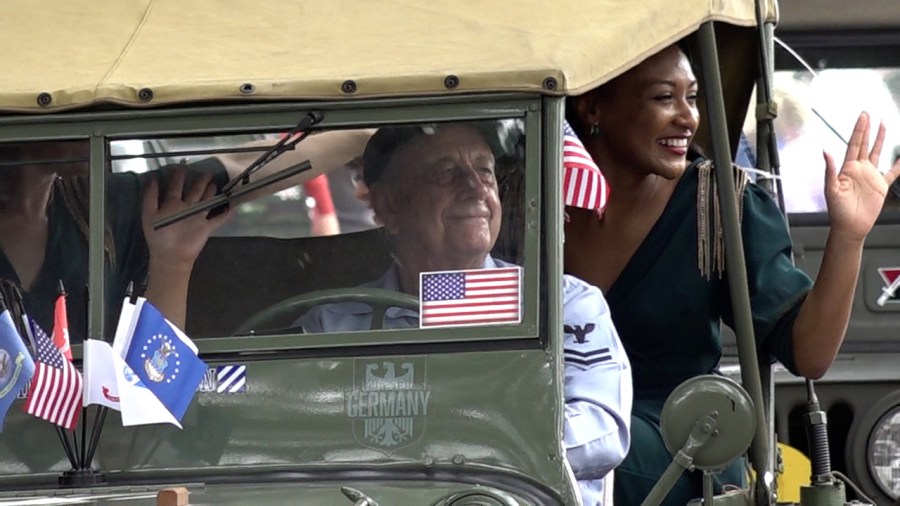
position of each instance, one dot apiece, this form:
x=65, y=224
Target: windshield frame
x=104, y=127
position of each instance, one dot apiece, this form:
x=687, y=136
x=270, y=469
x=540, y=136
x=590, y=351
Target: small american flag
x=56, y=388
x=472, y=297
x=583, y=184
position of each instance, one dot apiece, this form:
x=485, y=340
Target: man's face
x=361, y=189
x=439, y=197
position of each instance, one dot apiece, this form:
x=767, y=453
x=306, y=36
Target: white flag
x=124, y=329
x=100, y=384
x=109, y=381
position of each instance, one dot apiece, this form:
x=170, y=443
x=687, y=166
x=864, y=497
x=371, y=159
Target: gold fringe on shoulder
x=710, y=232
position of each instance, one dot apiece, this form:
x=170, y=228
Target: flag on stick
x=110, y=382
x=583, y=184
x=16, y=365
x=61, y=325
x=100, y=383
x=163, y=359
x=56, y=388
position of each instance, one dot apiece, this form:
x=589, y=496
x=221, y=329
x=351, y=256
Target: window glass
x=44, y=229
x=297, y=211
x=817, y=113
x=444, y=198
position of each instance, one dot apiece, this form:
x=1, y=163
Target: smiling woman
x=660, y=99
x=662, y=223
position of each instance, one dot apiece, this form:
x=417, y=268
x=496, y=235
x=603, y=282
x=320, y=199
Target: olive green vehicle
x=427, y=416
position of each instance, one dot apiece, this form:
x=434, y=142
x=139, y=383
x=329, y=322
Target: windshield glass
x=393, y=220
x=816, y=113
x=357, y=334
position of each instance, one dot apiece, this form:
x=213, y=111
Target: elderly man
x=435, y=192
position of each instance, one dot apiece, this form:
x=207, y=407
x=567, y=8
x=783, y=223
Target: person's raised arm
x=326, y=151
x=855, y=196
x=174, y=249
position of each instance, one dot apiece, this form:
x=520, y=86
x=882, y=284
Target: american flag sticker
x=231, y=379
x=470, y=297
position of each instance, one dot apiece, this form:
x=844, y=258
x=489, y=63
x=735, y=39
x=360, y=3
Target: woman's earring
x=595, y=130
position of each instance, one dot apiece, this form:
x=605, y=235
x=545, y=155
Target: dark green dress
x=66, y=258
x=668, y=314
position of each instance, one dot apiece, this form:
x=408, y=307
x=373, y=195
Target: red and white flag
x=470, y=297
x=583, y=184
x=61, y=327
x=56, y=387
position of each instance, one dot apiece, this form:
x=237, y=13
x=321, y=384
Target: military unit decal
x=388, y=402
x=890, y=294
x=231, y=379
x=225, y=379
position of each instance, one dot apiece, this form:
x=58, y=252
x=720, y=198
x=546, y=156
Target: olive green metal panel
x=288, y=494
x=442, y=417
x=487, y=410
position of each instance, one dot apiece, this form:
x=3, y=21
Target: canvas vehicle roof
x=84, y=52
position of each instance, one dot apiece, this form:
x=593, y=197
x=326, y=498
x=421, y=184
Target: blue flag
x=16, y=364
x=164, y=359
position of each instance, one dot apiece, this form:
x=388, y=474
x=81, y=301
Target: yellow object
x=797, y=470
x=75, y=53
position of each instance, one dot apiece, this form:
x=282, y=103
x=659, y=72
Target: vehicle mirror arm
x=683, y=459
x=286, y=143
x=222, y=200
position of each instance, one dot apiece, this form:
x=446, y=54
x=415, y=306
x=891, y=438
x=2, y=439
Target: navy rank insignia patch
x=579, y=332
x=587, y=359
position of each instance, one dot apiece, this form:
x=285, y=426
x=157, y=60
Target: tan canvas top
x=81, y=52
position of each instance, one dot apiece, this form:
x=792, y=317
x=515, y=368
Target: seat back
x=236, y=277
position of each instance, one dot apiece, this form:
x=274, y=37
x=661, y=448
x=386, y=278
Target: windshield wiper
x=228, y=192
x=287, y=142
x=222, y=199
x=808, y=67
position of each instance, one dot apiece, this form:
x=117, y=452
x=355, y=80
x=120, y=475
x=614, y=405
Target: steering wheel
x=286, y=312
